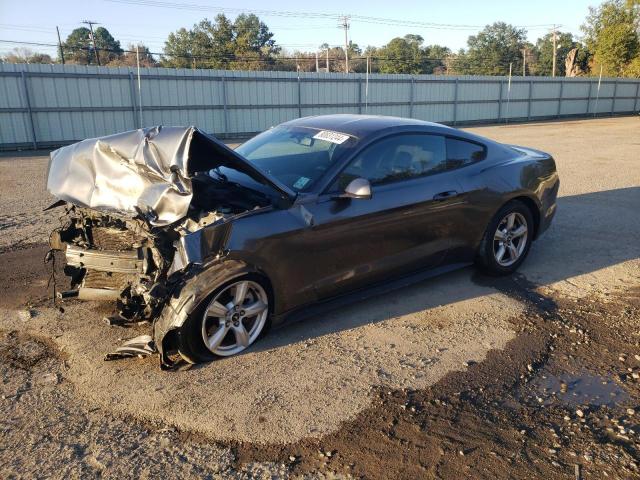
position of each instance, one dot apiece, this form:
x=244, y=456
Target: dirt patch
x=490, y=421
x=23, y=351
x=300, y=381
x=48, y=433
x=23, y=197
x=25, y=278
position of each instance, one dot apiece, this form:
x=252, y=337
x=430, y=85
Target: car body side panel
x=272, y=244
x=400, y=229
x=325, y=247
x=488, y=186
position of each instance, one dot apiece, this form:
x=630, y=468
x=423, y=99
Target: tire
x=221, y=320
x=503, y=249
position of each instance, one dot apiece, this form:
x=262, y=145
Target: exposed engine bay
x=135, y=207
x=129, y=261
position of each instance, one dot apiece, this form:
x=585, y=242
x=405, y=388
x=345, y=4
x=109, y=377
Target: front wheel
x=226, y=322
x=507, y=240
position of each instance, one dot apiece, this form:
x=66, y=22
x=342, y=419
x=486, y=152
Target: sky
x=305, y=28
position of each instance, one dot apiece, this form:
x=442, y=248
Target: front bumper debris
x=141, y=346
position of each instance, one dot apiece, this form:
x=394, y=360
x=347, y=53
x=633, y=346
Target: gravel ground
x=23, y=198
x=358, y=391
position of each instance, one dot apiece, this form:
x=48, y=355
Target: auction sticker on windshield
x=301, y=182
x=333, y=137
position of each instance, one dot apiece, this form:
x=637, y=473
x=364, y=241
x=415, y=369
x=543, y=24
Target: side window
x=400, y=157
x=461, y=153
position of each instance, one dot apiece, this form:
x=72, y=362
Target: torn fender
x=187, y=296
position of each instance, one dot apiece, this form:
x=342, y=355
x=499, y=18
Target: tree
x=617, y=46
x=565, y=43
x=336, y=58
x=632, y=69
x=402, y=55
x=436, y=59
x=214, y=43
x=253, y=42
x=109, y=48
x=246, y=43
x=407, y=55
x=129, y=58
x=297, y=61
x=356, y=62
x=179, y=49
x=611, y=33
x=24, y=55
x=306, y=61
x=78, y=47
x=492, y=50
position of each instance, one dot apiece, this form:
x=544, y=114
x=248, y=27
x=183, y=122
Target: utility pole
x=317, y=63
x=524, y=62
x=93, y=38
x=345, y=25
x=506, y=118
x=366, y=88
x=555, y=52
x=595, y=110
x=139, y=84
x=60, y=45
x=328, y=60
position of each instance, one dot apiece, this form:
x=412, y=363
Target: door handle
x=438, y=197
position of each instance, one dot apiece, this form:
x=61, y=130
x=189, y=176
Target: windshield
x=296, y=156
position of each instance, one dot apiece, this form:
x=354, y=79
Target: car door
x=465, y=157
x=404, y=227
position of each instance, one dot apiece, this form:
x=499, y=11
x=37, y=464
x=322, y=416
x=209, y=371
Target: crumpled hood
x=144, y=171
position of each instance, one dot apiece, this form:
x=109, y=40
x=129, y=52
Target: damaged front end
x=116, y=259
x=136, y=206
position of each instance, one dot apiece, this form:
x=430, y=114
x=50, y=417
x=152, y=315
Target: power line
x=488, y=61
x=307, y=15
x=135, y=38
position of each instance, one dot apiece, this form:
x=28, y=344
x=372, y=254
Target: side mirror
x=357, y=188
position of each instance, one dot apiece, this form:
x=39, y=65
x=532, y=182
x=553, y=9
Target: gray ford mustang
x=213, y=245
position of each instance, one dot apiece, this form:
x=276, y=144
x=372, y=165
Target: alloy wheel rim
x=235, y=317
x=510, y=239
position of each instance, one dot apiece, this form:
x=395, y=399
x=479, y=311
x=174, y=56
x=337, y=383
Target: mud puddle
x=573, y=390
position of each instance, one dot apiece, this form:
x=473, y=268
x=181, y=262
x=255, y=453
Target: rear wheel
x=227, y=322
x=507, y=240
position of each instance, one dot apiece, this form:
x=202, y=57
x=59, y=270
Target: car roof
x=362, y=126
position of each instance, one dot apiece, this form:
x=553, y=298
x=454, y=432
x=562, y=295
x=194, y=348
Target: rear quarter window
x=462, y=152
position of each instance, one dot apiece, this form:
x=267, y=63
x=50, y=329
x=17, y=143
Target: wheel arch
x=190, y=293
x=533, y=207
x=485, y=256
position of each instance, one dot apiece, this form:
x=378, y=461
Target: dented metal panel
x=120, y=262
x=141, y=171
